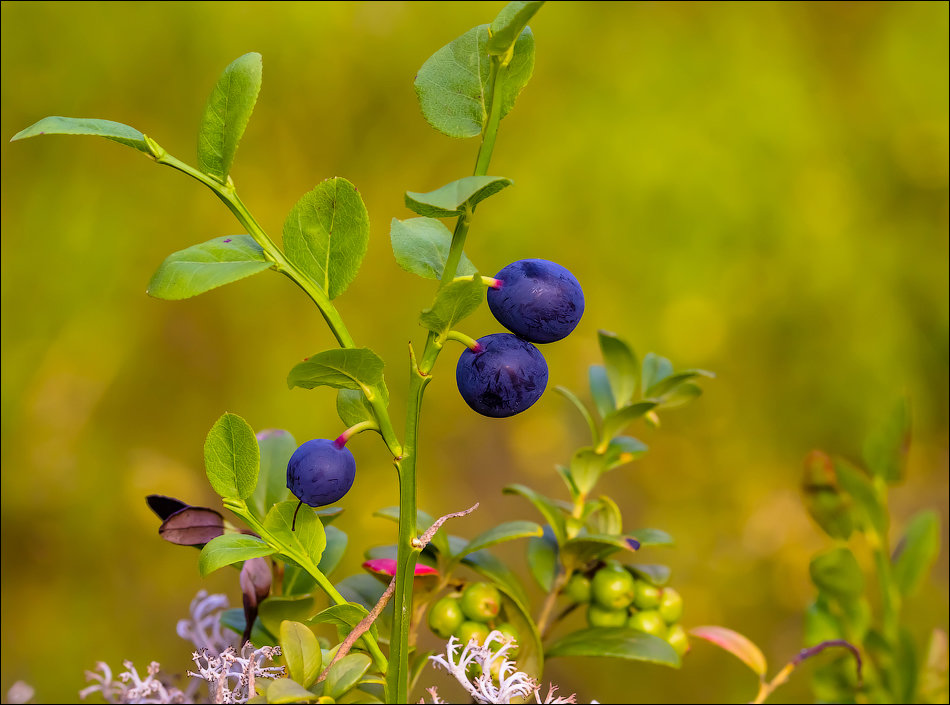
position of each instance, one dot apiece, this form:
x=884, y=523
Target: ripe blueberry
x=503, y=379
x=320, y=472
x=539, y=300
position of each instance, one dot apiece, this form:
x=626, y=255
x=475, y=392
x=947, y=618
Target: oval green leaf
x=654, y=369
x=276, y=447
x=551, y=513
x=301, y=651
x=230, y=548
x=616, y=421
x=333, y=553
x=232, y=457
x=346, y=616
x=736, y=644
x=615, y=643
x=670, y=385
x=508, y=531
x=622, y=366
x=204, y=267
x=326, y=234
x=837, y=573
x=115, y=131
x=285, y=690
x=917, y=551
x=454, y=302
x=279, y=608
x=308, y=538
x=345, y=674
x=453, y=199
x=600, y=390
x=453, y=84
x=508, y=25
x=353, y=407
x=421, y=246
x=542, y=554
x=885, y=449
x=226, y=115
x=342, y=368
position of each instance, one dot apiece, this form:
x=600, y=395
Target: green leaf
x=820, y=625
x=453, y=84
x=655, y=369
x=828, y=505
x=650, y=537
x=346, y=673
x=615, y=643
x=226, y=115
x=600, y=390
x=508, y=25
x=508, y=531
x=421, y=246
x=543, y=559
x=333, y=553
x=885, y=449
x=868, y=509
x=581, y=407
x=301, y=651
x=530, y=656
x=584, y=548
x=917, y=551
x=616, y=421
x=622, y=450
x=684, y=394
x=285, y=690
x=608, y=519
x=115, y=131
x=622, y=366
x=736, y=644
x=670, y=385
x=455, y=198
x=487, y=565
x=326, y=234
x=653, y=573
x=837, y=573
x=455, y=301
x=277, y=609
x=353, y=407
x=234, y=620
x=342, y=368
x=308, y=538
x=232, y=457
x=551, y=513
x=230, y=548
x=346, y=616
x=276, y=447
x=587, y=466
x=204, y=267
x=365, y=590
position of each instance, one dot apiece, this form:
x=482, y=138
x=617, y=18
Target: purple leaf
x=164, y=506
x=192, y=526
x=255, y=586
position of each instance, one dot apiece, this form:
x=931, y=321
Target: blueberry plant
x=282, y=492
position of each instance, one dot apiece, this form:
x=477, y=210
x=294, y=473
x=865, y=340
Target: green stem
x=465, y=340
x=419, y=378
x=305, y=562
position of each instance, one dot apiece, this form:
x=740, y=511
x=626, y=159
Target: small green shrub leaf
x=353, y=407
x=736, y=644
x=654, y=573
x=230, y=548
x=333, y=553
x=308, y=537
x=600, y=390
x=885, y=449
x=837, y=573
x=346, y=616
x=326, y=234
x=276, y=447
x=917, y=551
x=616, y=421
x=670, y=385
x=279, y=608
x=285, y=690
x=421, y=246
x=204, y=267
x=487, y=565
x=509, y=24
x=622, y=450
x=454, y=198
x=226, y=115
x=542, y=553
x=301, y=651
x=232, y=457
x=455, y=301
x=115, y=131
x=866, y=507
x=615, y=643
x=622, y=366
x=341, y=368
x=345, y=674
x=453, y=84
x=508, y=531
x=551, y=512
x=654, y=370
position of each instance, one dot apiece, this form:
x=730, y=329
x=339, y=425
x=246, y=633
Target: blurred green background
x=759, y=189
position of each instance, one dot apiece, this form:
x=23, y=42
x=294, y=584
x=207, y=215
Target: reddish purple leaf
x=192, y=526
x=387, y=566
x=736, y=644
x=255, y=586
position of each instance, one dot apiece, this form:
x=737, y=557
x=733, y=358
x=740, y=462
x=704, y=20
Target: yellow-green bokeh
x=759, y=189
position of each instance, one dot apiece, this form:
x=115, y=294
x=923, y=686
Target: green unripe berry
x=646, y=596
x=597, y=616
x=481, y=602
x=578, y=589
x=671, y=606
x=445, y=616
x=612, y=587
x=648, y=621
x=678, y=639
x=469, y=629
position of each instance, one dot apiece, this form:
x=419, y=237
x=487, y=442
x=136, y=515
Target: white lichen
x=130, y=687
x=220, y=669
x=495, y=678
x=204, y=628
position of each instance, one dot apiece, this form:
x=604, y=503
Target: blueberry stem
x=490, y=282
x=293, y=524
x=342, y=439
x=468, y=342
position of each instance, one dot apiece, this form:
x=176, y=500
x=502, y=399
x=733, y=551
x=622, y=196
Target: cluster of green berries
x=616, y=598
x=474, y=612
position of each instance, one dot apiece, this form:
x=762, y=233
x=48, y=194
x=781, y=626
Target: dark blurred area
x=758, y=189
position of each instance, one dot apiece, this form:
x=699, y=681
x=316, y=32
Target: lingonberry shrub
x=581, y=554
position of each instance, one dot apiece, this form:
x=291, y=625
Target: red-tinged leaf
x=192, y=526
x=387, y=566
x=255, y=586
x=736, y=644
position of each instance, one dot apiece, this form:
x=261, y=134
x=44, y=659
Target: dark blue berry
x=506, y=377
x=320, y=472
x=539, y=300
